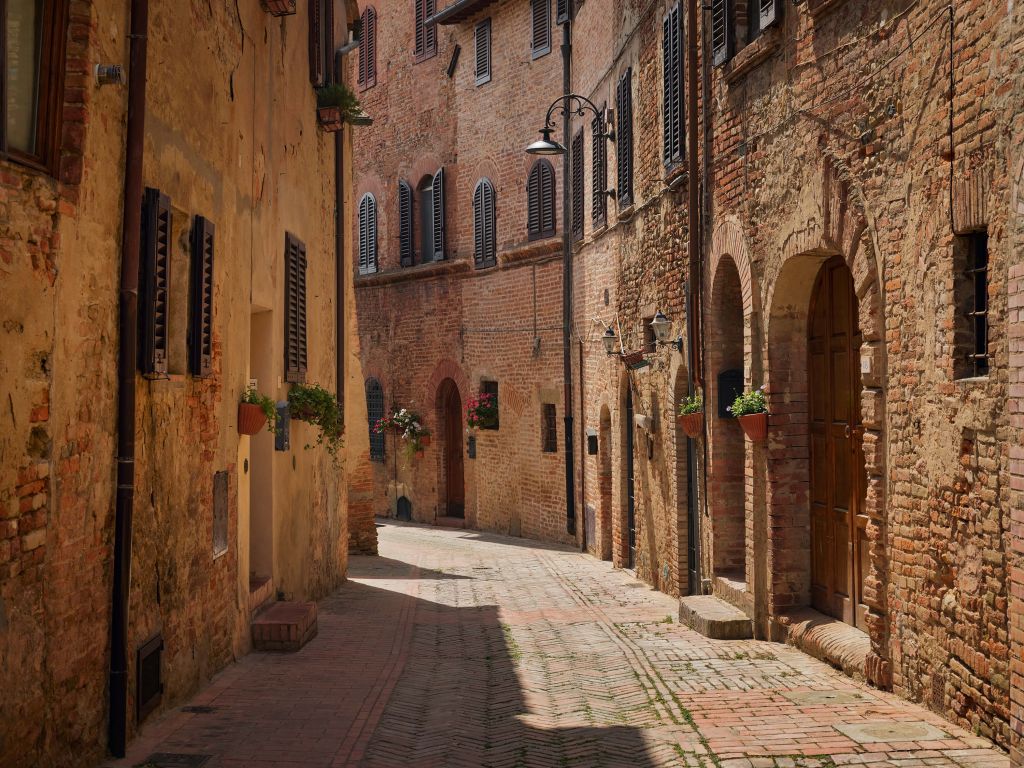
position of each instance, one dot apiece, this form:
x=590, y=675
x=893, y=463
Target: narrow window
x=437, y=220
x=577, y=185
x=562, y=11
x=624, y=138
x=484, y=249
x=155, y=283
x=970, y=262
x=672, y=58
x=368, y=48
x=540, y=201
x=426, y=34
x=200, y=326
x=375, y=412
x=295, y=352
x=548, y=429
x=599, y=170
x=483, y=52
x=149, y=684
x=367, y=235
x=321, y=42
x=32, y=52
x=491, y=388
x=541, y=39
x=405, y=225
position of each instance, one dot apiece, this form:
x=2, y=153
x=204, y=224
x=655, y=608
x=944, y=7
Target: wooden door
x=455, y=488
x=838, y=525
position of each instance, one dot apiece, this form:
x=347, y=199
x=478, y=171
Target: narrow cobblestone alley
x=455, y=648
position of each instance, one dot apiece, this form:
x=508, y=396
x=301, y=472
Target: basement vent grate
x=174, y=760
x=198, y=709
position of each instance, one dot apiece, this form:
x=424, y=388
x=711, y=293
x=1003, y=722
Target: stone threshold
x=732, y=588
x=833, y=641
x=715, y=618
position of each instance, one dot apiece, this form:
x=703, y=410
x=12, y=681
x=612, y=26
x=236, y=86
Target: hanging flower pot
x=278, y=7
x=635, y=360
x=330, y=119
x=755, y=425
x=692, y=423
x=251, y=419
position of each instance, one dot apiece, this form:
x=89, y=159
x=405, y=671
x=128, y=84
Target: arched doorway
x=453, y=474
x=604, y=540
x=839, y=542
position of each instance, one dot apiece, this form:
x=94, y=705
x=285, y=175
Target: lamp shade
x=662, y=327
x=609, y=339
x=545, y=145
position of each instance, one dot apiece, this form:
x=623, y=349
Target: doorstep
x=450, y=522
x=284, y=626
x=823, y=637
x=715, y=618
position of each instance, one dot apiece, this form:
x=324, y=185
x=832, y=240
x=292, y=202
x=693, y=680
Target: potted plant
x=317, y=406
x=336, y=104
x=482, y=411
x=751, y=409
x=409, y=427
x=254, y=411
x=278, y=7
x=691, y=415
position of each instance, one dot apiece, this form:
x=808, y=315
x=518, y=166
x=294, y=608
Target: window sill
x=626, y=212
x=537, y=249
x=676, y=176
x=431, y=269
x=753, y=55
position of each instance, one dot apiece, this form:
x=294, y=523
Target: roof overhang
x=459, y=11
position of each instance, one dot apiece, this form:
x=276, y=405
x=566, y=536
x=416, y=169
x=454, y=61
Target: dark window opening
x=149, y=686
x=970, y=262
x=220, y=513
x=321, y=42
x=650, y=340
x=548, y=429
x=295, y=350
x=374, y=413
x=491, y=388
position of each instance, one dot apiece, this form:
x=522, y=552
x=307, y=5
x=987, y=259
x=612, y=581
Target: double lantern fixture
x=661, y=327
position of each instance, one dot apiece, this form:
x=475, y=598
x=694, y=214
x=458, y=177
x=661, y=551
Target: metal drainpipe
x=127, y=364
x=570, y=459
x=339, y=245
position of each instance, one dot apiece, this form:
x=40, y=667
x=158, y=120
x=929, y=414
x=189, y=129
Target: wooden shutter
x=672, y=57
x=364, y=235
x=540, y=199
x=426, y=35
x=599, y=169
x=541, y=41
x=721, y=32
x=437, y=192
x=431, y=31
x=154, y=306
x=562, y=14
x=200, y=327
x=771, y=12
x=295, y=353
x=405, y=238
x=577, y=185
x=368, y=48
x=316, y=45
x=624, y=137
x=484, y=241
x=483, y=52
x=421, y=40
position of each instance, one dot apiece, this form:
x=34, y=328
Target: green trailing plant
x=317, y=406
x=251, y=396
x=692, y=404
x=749, y=403
x=340, y=96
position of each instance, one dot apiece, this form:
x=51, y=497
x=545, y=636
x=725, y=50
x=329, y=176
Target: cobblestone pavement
x=456, y=648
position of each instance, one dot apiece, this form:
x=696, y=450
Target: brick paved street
x=462, y=649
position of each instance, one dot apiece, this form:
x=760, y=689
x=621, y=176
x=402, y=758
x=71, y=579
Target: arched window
x=540, y=201
x=375, y=412
x=484, y=248
x=368, y=48
x=430, y=203
x=367, y=235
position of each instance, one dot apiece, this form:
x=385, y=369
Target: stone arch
x=834, y=224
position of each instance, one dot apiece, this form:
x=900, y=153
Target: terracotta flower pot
x=330, y=118
x=278, y=7
x=419, y=454
x=692, y=423
x=251, y=419
x=755, y=425
x=424, y=440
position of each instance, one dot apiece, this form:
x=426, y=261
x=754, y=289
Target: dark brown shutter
x=316, y=51
x=721, y=32
x=771, y=12
x=624, y=138
x=426, y=34
x=367, y=235
x=540, y=201
x=484, y=246
x=155, y=282
x=672, y=57
x=541, y=41
x=420, y=41
x=562, y=14
x=483, y=52
x=577, y=185
x=599, y=169
x=437, y=192
x=295, y=353
x=368, y=48
x=431, y=32
x=200, y=327
x=405, y=238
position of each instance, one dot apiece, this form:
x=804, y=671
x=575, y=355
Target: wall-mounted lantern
x=662, y=328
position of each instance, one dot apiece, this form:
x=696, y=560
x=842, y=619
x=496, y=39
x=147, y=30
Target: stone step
x=450, y=522
x=284, y=626
x=715, y=618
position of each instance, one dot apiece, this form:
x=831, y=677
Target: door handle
x=853, y=431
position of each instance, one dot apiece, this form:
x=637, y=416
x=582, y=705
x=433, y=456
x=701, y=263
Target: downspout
x=127, y=364
x=340, y=264
x=570, y=458
x=583, y=454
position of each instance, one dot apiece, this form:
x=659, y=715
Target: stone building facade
x=211, y=508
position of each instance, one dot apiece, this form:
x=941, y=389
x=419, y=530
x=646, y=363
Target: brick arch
x=446, y=368
x=728, y=241
x=831, y=222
